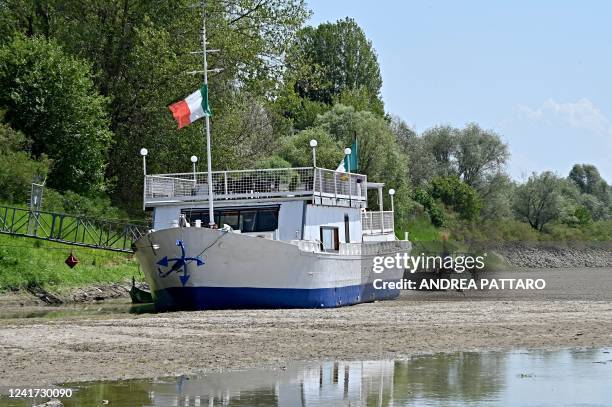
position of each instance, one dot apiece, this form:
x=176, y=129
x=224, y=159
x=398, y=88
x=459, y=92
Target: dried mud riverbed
x=78, y=347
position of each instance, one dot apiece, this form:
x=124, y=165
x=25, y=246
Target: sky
x=537, y=73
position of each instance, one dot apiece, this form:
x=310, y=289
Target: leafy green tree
x=243, y=132
x=588, y=180
x=435, y=212
x=380, y=157
x=17, y=167
x=140, y=52
x=471, y=153
x=458, y=195
x=297, y=151
x=252, y=34
x=50, y=97
x=301, y=113
x=335, y=62
x=273, y=162
x=422, y=166
x=496, y=191
x=539, y=200
x=583, y=215
x=597, y=209
x=479, y=152
x=440, y=142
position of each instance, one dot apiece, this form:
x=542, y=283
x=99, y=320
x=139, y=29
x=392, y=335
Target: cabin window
x=329, y=239
x=267, y=219
x=229, y=218
x=247, y=220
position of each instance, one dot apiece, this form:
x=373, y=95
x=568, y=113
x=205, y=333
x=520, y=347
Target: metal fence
x=74, y=230
x=250, y=184
x=377, y=222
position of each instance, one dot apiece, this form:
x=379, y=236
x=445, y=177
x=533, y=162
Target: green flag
x=351, y=161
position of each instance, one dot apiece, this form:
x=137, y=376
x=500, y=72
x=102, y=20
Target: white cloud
x=582, y=114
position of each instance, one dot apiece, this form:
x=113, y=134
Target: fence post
x=335, y=188
x=225, y=182
x=321, y=186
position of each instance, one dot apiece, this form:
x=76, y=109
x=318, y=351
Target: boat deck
x=323, y=186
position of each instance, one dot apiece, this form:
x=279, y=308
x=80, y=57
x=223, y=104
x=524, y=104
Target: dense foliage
x=84, y=85
x=49, y=96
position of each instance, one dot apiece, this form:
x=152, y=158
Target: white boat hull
x=220, y=270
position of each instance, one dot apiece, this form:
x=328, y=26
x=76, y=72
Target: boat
x=286, y=238
x=138, y=295
x=263, y=238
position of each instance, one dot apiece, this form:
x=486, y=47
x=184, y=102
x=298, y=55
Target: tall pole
x=211, y=210
x=347, y=153
x=143, y=153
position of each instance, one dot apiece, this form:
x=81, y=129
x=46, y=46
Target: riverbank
x=91, y=293
x=554, y=254
x=80, y=347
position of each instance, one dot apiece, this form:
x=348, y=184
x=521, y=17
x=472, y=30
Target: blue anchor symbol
x=178, y=263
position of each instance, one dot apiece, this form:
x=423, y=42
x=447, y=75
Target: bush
x=75, y=204
x=582, y=214
x=458, y=195
x=435, y=212
x=17, y=167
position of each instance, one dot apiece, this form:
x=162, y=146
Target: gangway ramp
x=84, y=231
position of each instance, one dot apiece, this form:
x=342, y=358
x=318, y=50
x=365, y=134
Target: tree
x=433, y=209
x=538, y=201
x=299, y=113
x=140, y=52
x=252, y=34
x=50, y=97
x=479, y=152
x=336, y=62
x=458, y=195
x=17, y=167
x=440, y=142
x=588, y=180
x=471, y=153
x=243, y=133
x=380, y=157
x=297, y=151
x=496, y=191
x=422, y=166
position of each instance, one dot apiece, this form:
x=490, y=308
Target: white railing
x=377, y=222
x=340, y=187
x=334, y=186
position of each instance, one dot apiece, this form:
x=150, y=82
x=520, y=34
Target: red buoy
x=71, y=261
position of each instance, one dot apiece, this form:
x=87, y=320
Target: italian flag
x=192, y=108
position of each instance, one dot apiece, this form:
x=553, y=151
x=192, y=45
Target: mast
x=211, y=210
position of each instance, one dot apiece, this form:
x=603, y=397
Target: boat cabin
x=305, y=204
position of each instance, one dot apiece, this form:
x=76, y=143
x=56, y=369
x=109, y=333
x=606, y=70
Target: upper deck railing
x=377, y=222
x=323, y=186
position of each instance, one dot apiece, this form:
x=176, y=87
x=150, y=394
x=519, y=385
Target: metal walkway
x=70, y=229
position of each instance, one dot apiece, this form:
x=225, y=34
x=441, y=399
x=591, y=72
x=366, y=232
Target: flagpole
x=211, y=210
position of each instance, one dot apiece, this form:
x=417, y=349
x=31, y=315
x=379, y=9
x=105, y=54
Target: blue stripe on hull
x=189, y=298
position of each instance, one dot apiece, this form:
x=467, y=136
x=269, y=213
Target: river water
x=571, y=377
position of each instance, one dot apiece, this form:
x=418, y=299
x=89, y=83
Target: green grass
x=419, y=229
x=26, y=262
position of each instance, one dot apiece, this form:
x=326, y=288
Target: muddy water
x=580, y=377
